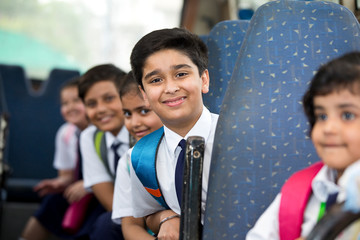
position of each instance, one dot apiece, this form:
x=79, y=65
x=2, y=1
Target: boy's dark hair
x=338, y=74
x=177, y=39
x=129, y=85
x=99, y=73
x=72, y=82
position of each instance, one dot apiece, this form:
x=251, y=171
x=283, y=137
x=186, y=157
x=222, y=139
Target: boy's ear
x=205, y=78
x=144, y=95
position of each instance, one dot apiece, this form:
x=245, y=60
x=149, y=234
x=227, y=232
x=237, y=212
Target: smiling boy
x=170, y=66
x=99, y=90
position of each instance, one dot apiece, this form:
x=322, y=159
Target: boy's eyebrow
x=347, y=105
x=150, y=74
x=343, y=105
x=180, y=66
x=175, y=67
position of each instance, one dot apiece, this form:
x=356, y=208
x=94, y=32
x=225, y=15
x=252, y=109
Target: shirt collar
x=324, y=183
x=201, y=128
x=123, y=137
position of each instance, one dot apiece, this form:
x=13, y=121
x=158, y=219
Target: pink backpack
x=295, y=194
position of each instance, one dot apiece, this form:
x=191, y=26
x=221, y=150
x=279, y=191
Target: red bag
x=75, y=214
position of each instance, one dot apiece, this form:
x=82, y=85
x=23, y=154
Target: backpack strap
x=295, y=194
x=143, y=159
x=101, y=150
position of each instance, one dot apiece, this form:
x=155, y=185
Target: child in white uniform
x=64, y=189
x=140, y=120
x=99, y=89
x=170, y=65
x=332, y=106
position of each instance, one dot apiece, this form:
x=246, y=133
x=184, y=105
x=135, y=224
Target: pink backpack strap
x=69, y=132
x=294, y=197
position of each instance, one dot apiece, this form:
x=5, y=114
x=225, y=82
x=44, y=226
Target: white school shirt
x=66, y=147
x=122, y=191
x=267, y=226
x=143, y=203
x=94, y=171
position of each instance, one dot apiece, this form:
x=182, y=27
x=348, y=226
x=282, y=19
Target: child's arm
x=267, y=226
x=75, y=191
x=55, y=185
x=134, y=229
x=169, y=228
x=104, y=192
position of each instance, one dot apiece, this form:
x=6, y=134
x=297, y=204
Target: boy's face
x=72, y=108
x=173, y=88
x=336, y=133
x=140, y=120
x=103, y=107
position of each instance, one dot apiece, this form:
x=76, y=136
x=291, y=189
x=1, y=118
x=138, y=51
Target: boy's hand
x=75, y=191
x=169, y=230
x=48, y=186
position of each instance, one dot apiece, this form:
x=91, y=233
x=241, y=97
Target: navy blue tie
x=179, y=171
x=331, y=200
x=115, y=147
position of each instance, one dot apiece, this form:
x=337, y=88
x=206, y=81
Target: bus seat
x=57, y=77
x=204, y=38
x=224, y=42
x=262, y=133
x=33, y=122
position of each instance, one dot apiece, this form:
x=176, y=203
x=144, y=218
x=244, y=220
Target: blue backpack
x=143, y=158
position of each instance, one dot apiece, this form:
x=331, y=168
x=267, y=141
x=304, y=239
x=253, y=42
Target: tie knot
x=115, y=146
x=182, y=144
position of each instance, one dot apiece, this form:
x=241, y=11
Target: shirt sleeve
x=94, y=171
x=267, y=226
x=65, y=148
x=143, y=203
x=122, y=204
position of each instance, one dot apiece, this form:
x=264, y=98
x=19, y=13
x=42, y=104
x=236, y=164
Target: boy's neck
x=115, y=132
x=82, y=126
x=182, y=128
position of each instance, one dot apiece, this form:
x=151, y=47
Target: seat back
x=224, y=42
x=33, y=122
x=262, y=133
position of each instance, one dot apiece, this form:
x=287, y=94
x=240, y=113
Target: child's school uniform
x=94, y=169
x=66, y=147
x=95, y=172
x=122, y=203
x=168, y=151
x=323, y=185
x=53, y=206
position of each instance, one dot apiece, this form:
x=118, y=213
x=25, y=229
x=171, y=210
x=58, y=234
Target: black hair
x=72, y=82
x=338, y=74
x=178, y=39
x=99, y=73
x=129, y=85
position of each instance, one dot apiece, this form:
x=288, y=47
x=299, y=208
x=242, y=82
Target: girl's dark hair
x=178, y=39
x=104, y=72
x=338, y=74
x=129, y=85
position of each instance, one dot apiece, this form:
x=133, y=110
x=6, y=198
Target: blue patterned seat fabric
x=262, y=134
x=224, y=42
x=34, y=120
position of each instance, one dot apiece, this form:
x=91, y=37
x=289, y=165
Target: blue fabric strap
x=143, y=159
x=179, y=171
